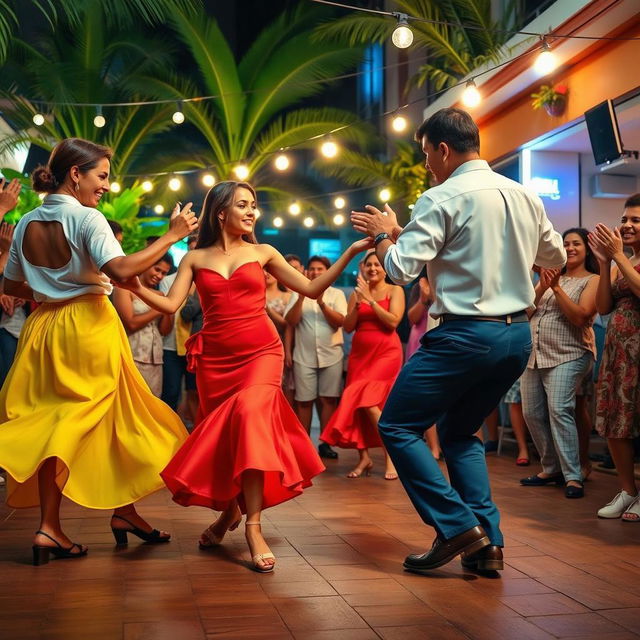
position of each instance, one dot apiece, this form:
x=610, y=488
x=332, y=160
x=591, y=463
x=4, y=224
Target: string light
x=281, y=162
x=38, y=119
x=115, y=187
x=399, y=124
x=294, y=209
x=329, y=149
x=338, y=219
x=546, y=61
x=241, y=171
x=178, y=116
x=257, y=213
x=159, y=209
x=385, y=194
x=278, y=222
x=208, y=180
x=402, y=36
x=339, y=203
x=308, y=222
x=147, y=185
x=471, y=96
x=99, y=121
x=175, y=184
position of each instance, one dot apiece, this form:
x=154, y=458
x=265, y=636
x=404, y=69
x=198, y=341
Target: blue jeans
x=455, y=380
x=8, y=345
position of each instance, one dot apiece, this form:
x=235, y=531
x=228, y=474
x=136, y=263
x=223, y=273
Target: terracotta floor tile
x=544, y=604
x=413, y=613
x=297, y=589
x=169, y=630
x=337, y=634
x=566, y=626
x=322, y=613
x=432, y=631
x=627, y=618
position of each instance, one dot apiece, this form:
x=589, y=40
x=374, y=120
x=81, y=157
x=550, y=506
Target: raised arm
x=351, y=319
x=132, y=321
x=177, y=294
x=278, y=267
x=123, y=268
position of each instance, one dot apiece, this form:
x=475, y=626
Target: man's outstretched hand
x=373, y=222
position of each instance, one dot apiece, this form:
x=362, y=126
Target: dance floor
x=339, y=574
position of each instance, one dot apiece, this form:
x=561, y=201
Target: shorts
x=314, y=382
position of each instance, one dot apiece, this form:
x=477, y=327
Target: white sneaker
x=617, y=506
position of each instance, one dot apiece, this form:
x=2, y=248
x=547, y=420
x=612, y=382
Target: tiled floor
x=339, y=574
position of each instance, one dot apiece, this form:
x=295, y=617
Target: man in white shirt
x=479, y=235
x=317, y=353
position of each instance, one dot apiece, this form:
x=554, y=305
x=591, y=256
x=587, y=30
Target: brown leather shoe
x=444, y=551
x=487, y=559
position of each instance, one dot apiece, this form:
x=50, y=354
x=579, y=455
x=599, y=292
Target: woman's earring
x=77, y=186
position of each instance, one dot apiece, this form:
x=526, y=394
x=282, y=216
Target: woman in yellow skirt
x=76, y=417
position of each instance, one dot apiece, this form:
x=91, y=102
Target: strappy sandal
x=632, y=514
x=214, y=538
x=151, y=537
x=41, y=552
x=261, y=557
x=358, y=473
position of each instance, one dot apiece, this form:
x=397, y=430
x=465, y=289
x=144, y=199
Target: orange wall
x=609, y=72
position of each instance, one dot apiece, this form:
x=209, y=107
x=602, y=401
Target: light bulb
x=38, y=119
x=339, y=202
x=147, y=185
x=281, y=162
x=241, y=171
x=329, y=149
x=257, y=213
x=208, y=180
x=175, y=184
x=399, y=124
x=178, y=117
x=115, y=187
x=294, y=209
x=338, y=219
x=42, y=196
x=384, y=195
x=402, y=36
x=159, y=209
x=308, y=222
x=278, y=222
x=546, y=61
x=99, y=121
x=471, y=96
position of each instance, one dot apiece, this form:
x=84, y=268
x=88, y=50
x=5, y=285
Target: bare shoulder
x=266, y=252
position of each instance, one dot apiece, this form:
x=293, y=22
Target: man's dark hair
x=454, y=127
x=633, y=201
x=321, y=259
x=292, y=256
x=115, y=227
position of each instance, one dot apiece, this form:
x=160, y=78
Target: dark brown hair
x=218, y=198
x=321, y=259
x=70, y=152
x=590, y=262
x=633, y=201
x=452, y=126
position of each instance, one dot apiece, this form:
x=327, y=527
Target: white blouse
x=90, y=240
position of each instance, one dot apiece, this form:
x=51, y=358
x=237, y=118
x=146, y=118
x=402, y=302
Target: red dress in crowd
x=374, y=362
x=244, y=421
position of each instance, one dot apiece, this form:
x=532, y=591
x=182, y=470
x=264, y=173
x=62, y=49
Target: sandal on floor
x=215, y=539
x=152, y=537
x=391, y=475
x=523, y=462
x=41, y=552
x=261, y=557
x=358, y=473
x=632, y=514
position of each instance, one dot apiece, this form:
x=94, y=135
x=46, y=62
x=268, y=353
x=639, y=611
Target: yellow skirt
x=74, y=393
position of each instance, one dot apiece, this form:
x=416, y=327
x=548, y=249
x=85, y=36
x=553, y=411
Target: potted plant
x=552, y=98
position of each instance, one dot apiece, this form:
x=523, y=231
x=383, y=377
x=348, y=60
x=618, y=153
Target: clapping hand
x=549, y=278
x=8, y=195
x=373, y=221
x=605, y=243
x=363, y=292
x=6, y=236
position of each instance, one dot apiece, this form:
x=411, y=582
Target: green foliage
x=548, y=95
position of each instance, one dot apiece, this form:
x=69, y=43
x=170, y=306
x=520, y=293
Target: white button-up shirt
x=479, y=234
x=317, y=343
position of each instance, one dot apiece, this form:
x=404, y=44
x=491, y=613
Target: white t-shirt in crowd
x=317, y=343
x=90, y=240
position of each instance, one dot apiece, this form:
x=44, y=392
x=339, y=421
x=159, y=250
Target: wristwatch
x=380, y=237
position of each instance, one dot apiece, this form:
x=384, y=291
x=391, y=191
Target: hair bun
x=43, y=180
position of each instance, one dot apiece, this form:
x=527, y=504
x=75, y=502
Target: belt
x=520, y=316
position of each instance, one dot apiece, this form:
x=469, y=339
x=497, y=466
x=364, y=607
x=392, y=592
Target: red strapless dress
x=244, y=421
x=374, y=362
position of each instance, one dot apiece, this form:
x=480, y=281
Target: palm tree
x=453, y=50
x=256, y=111
x=404, y=175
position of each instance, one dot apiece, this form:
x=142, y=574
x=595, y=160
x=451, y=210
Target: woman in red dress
x=248, y=451
x=375, y=310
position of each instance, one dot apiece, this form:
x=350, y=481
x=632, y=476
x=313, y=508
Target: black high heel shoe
x=152, y=537
x=41, y=552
